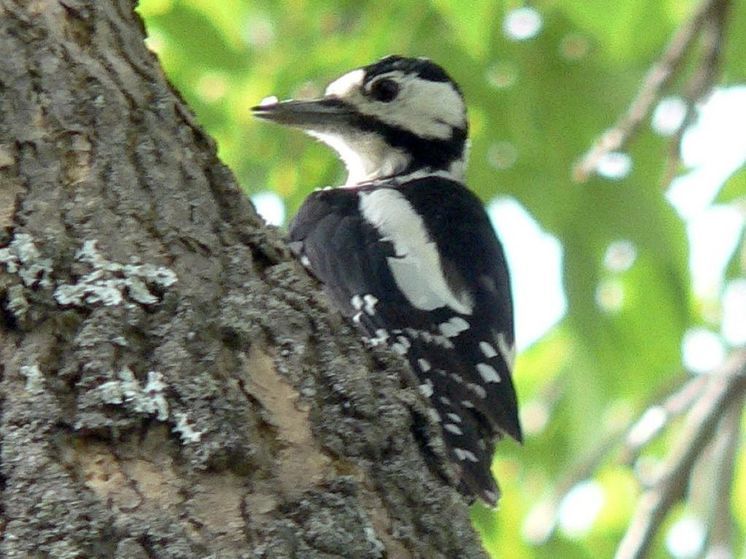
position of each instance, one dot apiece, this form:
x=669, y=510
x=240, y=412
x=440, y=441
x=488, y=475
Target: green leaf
x=734, y=189
x=472, y=23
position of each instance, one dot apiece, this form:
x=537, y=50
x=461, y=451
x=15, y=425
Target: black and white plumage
x=408, y=253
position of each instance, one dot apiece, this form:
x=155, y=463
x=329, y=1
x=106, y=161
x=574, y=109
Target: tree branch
x=721, y=469
x=724, y=387
x=708, y=20
x=708, y=401
x=658, y=416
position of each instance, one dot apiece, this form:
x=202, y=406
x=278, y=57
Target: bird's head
x=396, y=116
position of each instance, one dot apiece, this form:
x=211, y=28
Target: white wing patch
x=507, y=351
x=453, y=327
x=370, y=304
x=487, y=349
x=463, y=454
x=426, y=389
x=455, y=429
x=416, y=267
x=488, y=373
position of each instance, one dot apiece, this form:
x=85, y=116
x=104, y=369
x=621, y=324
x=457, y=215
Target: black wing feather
x=350, y=258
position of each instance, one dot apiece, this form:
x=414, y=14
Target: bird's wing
x=419, y=267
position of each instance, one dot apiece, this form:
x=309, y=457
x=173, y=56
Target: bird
x=407, y=252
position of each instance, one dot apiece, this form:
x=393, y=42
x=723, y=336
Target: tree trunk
x=172, y=383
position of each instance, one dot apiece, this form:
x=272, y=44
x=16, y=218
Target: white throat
x=366, y=156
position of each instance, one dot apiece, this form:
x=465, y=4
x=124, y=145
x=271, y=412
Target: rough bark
x=172, y=384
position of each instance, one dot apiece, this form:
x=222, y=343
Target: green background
x=535, y=107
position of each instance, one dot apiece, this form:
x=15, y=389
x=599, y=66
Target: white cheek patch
x=416, y=268
x=343, y=86
x=427, y=108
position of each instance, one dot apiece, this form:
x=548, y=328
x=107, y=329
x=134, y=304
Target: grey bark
x=172, y=385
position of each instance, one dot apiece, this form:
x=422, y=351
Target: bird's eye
x=384, y=90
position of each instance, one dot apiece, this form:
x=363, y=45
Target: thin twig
x=674, y=398
x=639, y=434
x=702, y=81
x=682, y=395
x=656, y=80
x=723, y=387
x=725, y=446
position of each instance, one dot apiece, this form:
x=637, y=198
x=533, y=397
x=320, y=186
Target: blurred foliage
x=535, y=106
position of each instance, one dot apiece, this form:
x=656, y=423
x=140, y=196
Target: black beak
x=313, y=115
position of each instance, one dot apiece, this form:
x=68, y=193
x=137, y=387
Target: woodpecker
x=407, y=252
